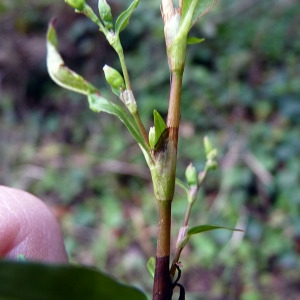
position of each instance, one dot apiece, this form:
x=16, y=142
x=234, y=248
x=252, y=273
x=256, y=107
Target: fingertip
x=28, y=227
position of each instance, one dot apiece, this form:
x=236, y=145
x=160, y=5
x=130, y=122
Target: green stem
x=118, y=47
x=141, y=126
x=136, y=115
x=124, y=67
x=88, y=12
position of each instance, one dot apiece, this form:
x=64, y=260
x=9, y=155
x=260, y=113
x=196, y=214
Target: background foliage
x=241, y=88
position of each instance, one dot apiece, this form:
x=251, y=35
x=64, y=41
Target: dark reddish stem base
x=163, y=289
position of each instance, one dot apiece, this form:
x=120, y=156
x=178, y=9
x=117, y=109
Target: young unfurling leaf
x=151, y=266
x=59, y=72
x=206, y=227
x=191, y=40
x=123, y=19
x=159, y=125
x=199, y=7
x=77, y=4
x=158, y=133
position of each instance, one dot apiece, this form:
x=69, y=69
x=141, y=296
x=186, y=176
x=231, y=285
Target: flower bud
x=212, y=154
x=207, y=145
x=191, y=175
x=211, y=165
x=114, y=79
x=151, y=135
x=77, y=4
x=105, y=14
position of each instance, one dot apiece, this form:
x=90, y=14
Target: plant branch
x=118, y=48
x=181, y=235
x=175, y=261
x=124, y=68
x=141, y=126
x=179, y=246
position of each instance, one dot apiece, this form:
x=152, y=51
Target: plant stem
x=175, y=261
x=141, y=126
x=124, y=67
x=192, y=198
x=173, y=118
x=187, y=214
x=136, y=115
x=162, y=289
x=167, y=8
x=167, y=159
x=179, y=249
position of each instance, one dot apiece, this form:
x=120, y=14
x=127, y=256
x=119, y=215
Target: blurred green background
x=241, y=87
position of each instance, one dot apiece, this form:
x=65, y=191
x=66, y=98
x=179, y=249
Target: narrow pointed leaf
x=32, y=281
x=61, y=74
x=194, y=40
x=202, y=7
x=98, y=103
x=151, y=266
x=159, y=125
x=187, y=13
x=206, y=227
x=123, y=19
x=160, y=144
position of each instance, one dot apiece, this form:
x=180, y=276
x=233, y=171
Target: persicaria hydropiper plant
x=159, y=143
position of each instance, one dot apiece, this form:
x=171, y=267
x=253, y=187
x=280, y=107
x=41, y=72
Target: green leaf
x=151, y=266
x=32, y=281
x=123, y=19
x=57, y=70
x=206, y=227
x=194, y=40
x=98, y=103
x=77, y=4
x=159, y=125
x=160, y=144
x=193, y=10
x=208, y=147
x=187, y=13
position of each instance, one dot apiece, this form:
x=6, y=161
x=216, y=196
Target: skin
x=28, y=227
